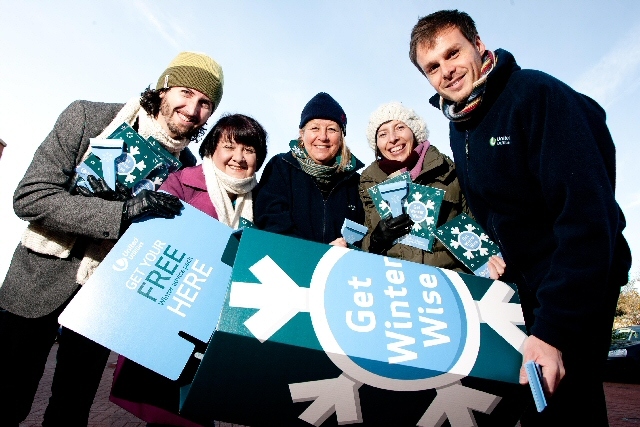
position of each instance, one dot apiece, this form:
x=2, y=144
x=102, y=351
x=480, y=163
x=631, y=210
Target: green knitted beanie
x=195, y=71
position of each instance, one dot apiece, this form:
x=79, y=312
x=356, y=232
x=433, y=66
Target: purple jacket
x=189, y=185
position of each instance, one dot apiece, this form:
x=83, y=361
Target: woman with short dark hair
x=222, y=188
x=222, y=185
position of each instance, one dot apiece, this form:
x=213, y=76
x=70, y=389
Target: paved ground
x=623, y=402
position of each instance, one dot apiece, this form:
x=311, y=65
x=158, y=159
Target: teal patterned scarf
x=322, y=173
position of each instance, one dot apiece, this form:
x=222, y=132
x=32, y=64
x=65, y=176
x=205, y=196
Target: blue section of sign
x=411, y=312
x=163, y=277
x=483, y=271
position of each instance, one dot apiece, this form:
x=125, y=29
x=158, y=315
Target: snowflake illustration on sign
x=469, y=243
x=423, y=206
x=405, y=342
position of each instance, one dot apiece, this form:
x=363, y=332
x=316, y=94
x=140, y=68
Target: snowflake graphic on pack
x=423, y=206
x=468, y=242
x=142, y=164
x=138, y=160
x=399, y=195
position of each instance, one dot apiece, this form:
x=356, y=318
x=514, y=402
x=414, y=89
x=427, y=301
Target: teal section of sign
x=164, y=278
x=297, y=258
x=493, y=346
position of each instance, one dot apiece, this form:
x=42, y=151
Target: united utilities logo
x=120, y=264
x=500, y=140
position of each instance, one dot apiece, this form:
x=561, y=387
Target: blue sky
x=277, y=54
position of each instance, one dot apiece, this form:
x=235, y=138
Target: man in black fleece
x=536, y=163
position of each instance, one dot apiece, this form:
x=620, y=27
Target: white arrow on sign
x=339, y=395
x=455, y=402
x=502, y=316
x=277, y=297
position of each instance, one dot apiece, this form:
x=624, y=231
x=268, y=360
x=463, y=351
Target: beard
x=178, y=131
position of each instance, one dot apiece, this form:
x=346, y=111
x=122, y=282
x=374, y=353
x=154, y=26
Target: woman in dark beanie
x=398, y=136
x=309, y=191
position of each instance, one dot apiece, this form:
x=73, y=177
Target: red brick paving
x=623, y=402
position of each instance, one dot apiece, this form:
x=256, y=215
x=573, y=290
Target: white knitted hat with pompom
x=396, y=111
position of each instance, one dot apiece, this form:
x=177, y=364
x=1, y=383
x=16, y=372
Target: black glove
x=99, y=188
x=387, y=231
x=153, y=203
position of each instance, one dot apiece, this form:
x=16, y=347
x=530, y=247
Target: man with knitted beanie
x=69, y=234
x=536, y=164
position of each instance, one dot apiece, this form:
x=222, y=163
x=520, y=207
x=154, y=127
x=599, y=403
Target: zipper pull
x=466, y=143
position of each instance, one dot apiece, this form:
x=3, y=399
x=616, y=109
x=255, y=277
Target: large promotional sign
x=158, y=292
x=321, y=335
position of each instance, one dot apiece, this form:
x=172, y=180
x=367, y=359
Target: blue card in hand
x=534, y=374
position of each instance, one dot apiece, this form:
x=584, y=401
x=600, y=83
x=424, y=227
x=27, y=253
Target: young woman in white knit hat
x=398, y=136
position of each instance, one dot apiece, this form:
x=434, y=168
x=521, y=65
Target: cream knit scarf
x=220, y=185
x=59, y=244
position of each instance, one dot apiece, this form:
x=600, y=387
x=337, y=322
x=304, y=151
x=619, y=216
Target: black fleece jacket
x=536, y=163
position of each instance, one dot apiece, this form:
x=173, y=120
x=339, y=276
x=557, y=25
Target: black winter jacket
x=536, y=164
x=288, y=201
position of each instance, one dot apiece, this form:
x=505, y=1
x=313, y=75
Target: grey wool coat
x=37, y=284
